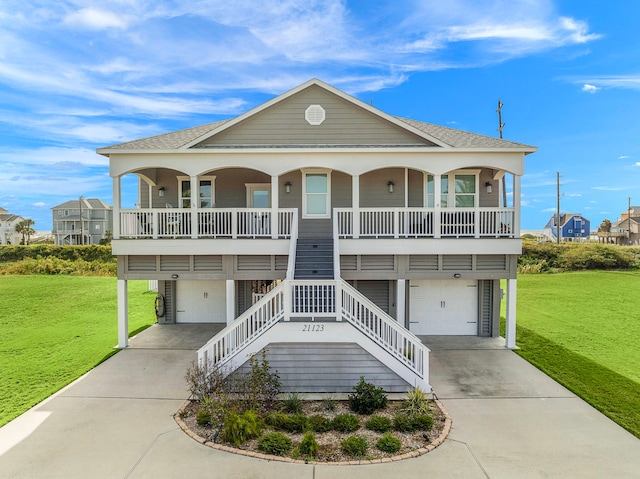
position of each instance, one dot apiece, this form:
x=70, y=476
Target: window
x=258, y=195
x=456, y=191
x=316, y=201
x=206, y=191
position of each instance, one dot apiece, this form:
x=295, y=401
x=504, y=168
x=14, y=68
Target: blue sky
x=78, y=75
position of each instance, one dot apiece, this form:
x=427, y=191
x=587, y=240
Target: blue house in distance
x=573, y=227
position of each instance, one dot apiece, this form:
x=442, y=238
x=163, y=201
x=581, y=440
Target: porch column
x=516, y=206
x=437, y=215
x=355, y=205
x=123, y=314
x=231, y=300
x=275, y=201
x=195, y=205
x=510, y=333
x=116, y=208
x=401, y=305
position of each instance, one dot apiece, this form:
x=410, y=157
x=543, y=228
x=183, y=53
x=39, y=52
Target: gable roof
x=88, y=203
x=9, y=217
x=432, y=135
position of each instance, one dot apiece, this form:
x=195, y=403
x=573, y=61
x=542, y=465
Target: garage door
x=200, y=302
x=448, y=307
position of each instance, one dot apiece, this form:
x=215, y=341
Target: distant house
x=8, y=223
x=97, y=221
x=327, y=230
x=573, y=227
x=626, y=231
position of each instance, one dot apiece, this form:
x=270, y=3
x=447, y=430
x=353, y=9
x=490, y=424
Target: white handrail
x=384, y=330
x=252, y=323
x=293, y=244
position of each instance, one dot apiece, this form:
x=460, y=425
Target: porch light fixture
x=390, y=184
x=287, y=187
x=174, y=276
x=457, y=275
x=489, y=187
x=161, y=191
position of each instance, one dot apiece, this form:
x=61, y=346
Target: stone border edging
x=415, y=453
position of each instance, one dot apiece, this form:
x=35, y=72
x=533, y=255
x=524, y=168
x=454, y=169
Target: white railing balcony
x=426, y=223
x=207, y=223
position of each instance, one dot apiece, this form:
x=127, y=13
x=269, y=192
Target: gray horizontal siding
x=491, y=262
x=328, y=367
x=378, y=262
x=174, y=263
x=207, y=263
x=459, y=262
x=423, y=262
x=141, y=263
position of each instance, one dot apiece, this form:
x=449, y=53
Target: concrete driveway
x=509, y=421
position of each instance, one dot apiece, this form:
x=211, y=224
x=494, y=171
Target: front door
x=444, y=307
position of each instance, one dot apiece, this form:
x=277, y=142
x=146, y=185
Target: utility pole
x=558, y=230
x=500, y=124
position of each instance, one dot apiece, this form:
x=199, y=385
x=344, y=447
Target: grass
x=582, y=329
x=53, y=329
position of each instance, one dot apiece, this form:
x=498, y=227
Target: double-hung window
x=206, y=191
x=458, y=190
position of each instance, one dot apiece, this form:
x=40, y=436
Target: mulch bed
x=413, y=444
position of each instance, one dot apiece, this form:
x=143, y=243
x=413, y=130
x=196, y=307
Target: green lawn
x=583, y=329
x=53, y=329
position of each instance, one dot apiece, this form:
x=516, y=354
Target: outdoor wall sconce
x=489, y=187
x=287, y=187
x=174, y=276
x=161, y=191
x=457, y=275
x=390, y=184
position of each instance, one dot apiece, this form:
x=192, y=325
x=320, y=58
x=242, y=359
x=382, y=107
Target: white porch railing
x=423, y=222
x=317, y=299
x=211, y=223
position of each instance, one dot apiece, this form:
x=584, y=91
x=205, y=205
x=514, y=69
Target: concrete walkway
x=509, y=421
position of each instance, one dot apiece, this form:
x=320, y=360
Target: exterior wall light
x=457, y=275
x=489, y=187
x=390, y=184
x=287, y=187
x=161, y=192
x=174, y=276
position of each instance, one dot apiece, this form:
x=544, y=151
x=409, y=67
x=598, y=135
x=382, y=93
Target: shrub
x=319, y=423
x=346, y=423
x=355, y=446
x=262, y=385
x=329, y=403
x=389, y=443
x=277, y=420
x=417, y=402
x=274, y=443
x=239, y=428
x=203, y=417
x=288, y=422
x=309, y=446
x=403, y=422
x=378, y=423
x=367, y=398
x=204, y=380
x=293, y=404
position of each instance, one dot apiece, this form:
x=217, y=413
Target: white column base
x=401, y=306
x=510, y=332
x=123, y=314
x=231, y=300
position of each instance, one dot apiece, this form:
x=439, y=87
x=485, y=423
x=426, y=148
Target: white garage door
x=200, y=301
x=447, y=307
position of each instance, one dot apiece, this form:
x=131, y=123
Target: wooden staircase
x=314, y=258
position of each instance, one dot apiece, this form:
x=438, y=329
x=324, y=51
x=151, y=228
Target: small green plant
x=378, y=423
x=262, y=385
x=346, y=423
x=422, y=422
x=367, y=398
x=309, y=446
x=319, y=423
x=274, y=443
x=417, y=402
x=329, y=403
x=288, y=422
x=203, y=417
x=293, y=404
x=355, y=446
x=389, y=443
x=238, y=428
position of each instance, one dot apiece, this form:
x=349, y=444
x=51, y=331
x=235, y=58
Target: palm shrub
x=367, y=398
x=275, y=443
x=417, y=402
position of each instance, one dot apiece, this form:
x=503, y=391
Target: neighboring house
x=327, y=231
x=573, y=227
x=96, y=224
x=626, y=231
x=8, y=223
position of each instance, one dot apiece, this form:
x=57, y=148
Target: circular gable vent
x=314, y=115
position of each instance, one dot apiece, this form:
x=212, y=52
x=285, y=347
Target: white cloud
x=607, y=188
x=629, y=82
x=39, y=204
x=549, y=210
x=623, y=157
x=96, y=19
x=588, y=88
x=637, y=163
